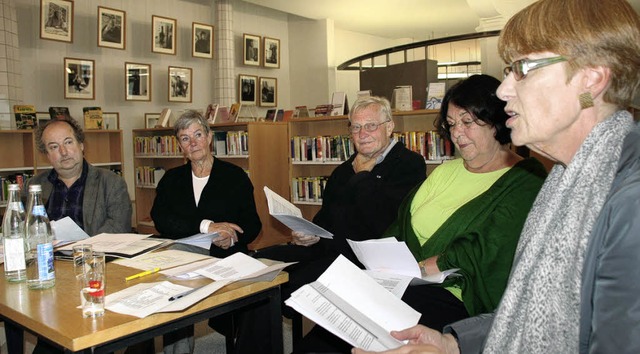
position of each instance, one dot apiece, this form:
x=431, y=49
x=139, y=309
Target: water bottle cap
x=13, y=187
x=35, y=188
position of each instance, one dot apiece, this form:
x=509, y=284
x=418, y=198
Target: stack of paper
x=351, y=305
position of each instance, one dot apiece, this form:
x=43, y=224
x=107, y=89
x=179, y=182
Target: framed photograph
x=179, y=84
x=56, y=20
x=164, y=35
x=79, y=79
x=268, y=91
x=110, y=120
x=202, y=40
x=43, y=117
x=251, y=50
x=137, y=79
x=151, y=120
x=271, y=52
x=247, y=89
x=112, y=28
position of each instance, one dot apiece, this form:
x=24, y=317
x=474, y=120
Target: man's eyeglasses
x=520, y=68
x=368, y=127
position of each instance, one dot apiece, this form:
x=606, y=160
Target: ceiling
x=396, y=19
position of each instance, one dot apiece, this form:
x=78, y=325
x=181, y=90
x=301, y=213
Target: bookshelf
x=102, y=148
x=405, y=121
x=265, y=160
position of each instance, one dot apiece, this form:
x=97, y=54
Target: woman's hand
x=421, y=340
x=300, y=239
x=227, y=234
x=430, y=266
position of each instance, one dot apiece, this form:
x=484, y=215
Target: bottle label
x=14, y=254
x=15, y=206
x=45, y=261
x=39, y=210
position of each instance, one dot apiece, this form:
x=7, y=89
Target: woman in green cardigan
x=469, y=212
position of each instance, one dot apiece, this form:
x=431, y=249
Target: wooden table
x=53, y=313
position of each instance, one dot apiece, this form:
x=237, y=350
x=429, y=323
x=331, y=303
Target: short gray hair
x=189, y=117
x=384, y=107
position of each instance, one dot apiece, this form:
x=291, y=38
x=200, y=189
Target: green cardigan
x=480, y=237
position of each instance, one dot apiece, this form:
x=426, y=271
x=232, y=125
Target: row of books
x=148, y=176
x=321, y=148
x=165, y=145
x=5, y=181
x=428, y=144
x=235, y=142
x=308, y=189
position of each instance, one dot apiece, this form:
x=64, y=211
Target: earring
x=586, y=100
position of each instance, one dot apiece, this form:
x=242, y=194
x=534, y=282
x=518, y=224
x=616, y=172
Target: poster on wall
x=251, y=50
x=268, y=91
x=179, y=84
x=271, y=52
x=137, y=81
x=247, y=89
x=56, y=20
x=79, y=79
x=163, y=39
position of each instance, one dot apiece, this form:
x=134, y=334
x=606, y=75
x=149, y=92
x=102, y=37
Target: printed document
x=200, y=240
x=290, y=215
x=388, y=255
x=163, y=259
x=239, y=266
x=351, y=305
x=126, y=245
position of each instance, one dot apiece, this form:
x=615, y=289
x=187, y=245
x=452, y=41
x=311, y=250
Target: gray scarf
x=540, y=309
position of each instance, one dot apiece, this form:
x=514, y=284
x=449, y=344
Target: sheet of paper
x=66, y=229
x=391, y=256
x=162, y=259
x=291, y=216
x=395, y=283
x=125, y=244
x=188, y=271
x=199, y=240
x=141, y=300
x=233, y=267
x=353, y=306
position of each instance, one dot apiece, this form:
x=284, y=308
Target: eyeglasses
x=465, y=124
x=368, y=127
x=520, y=68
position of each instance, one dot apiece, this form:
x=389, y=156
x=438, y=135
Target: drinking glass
x=93, y=289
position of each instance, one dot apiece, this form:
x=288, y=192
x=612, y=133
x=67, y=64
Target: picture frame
x=247, y=89
x=251, y=49
x=151, y=120
x=201, y=40
x=271, y=53
x=179, y=87
x=79, y=79
x=163, y=37
x=137, y=81
x=56, y=20
x=42, y=117
x=110, y=120
x=112, y=28
x=268, y=91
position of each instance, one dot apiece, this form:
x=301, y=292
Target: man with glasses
x=361, y=197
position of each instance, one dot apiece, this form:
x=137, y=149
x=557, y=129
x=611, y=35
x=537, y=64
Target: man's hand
x=363, y=163
x=300, y=239
x=421, y=340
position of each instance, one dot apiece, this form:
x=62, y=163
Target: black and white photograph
x=268, y=91
x=202, y=40
x=137, y=82
x=247, y=89
x=164, y=35
x=110, y=120
x=271, y=53
x=251, y=50
x=179, y=84
x=111, y=28
x=151, y=120
x=56, y=20
x=79, y=75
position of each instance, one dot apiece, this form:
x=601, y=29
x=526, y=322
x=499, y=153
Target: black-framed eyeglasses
x=520, y=68
x=368, y=127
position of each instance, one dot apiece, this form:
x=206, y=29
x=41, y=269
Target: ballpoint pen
x=181, y=295
x=142, y=274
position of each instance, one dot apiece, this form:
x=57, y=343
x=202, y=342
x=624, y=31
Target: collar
x=384, y=154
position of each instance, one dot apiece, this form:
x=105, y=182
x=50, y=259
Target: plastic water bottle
x=40, y=271
x=13, y=242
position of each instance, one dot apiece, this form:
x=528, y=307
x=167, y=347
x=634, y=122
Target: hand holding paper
x=291, y=216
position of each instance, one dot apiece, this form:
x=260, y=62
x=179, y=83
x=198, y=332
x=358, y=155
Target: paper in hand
x=290, y=215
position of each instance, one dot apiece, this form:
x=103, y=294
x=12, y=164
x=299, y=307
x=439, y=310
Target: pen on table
x=142, y=274
x=181, y=295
